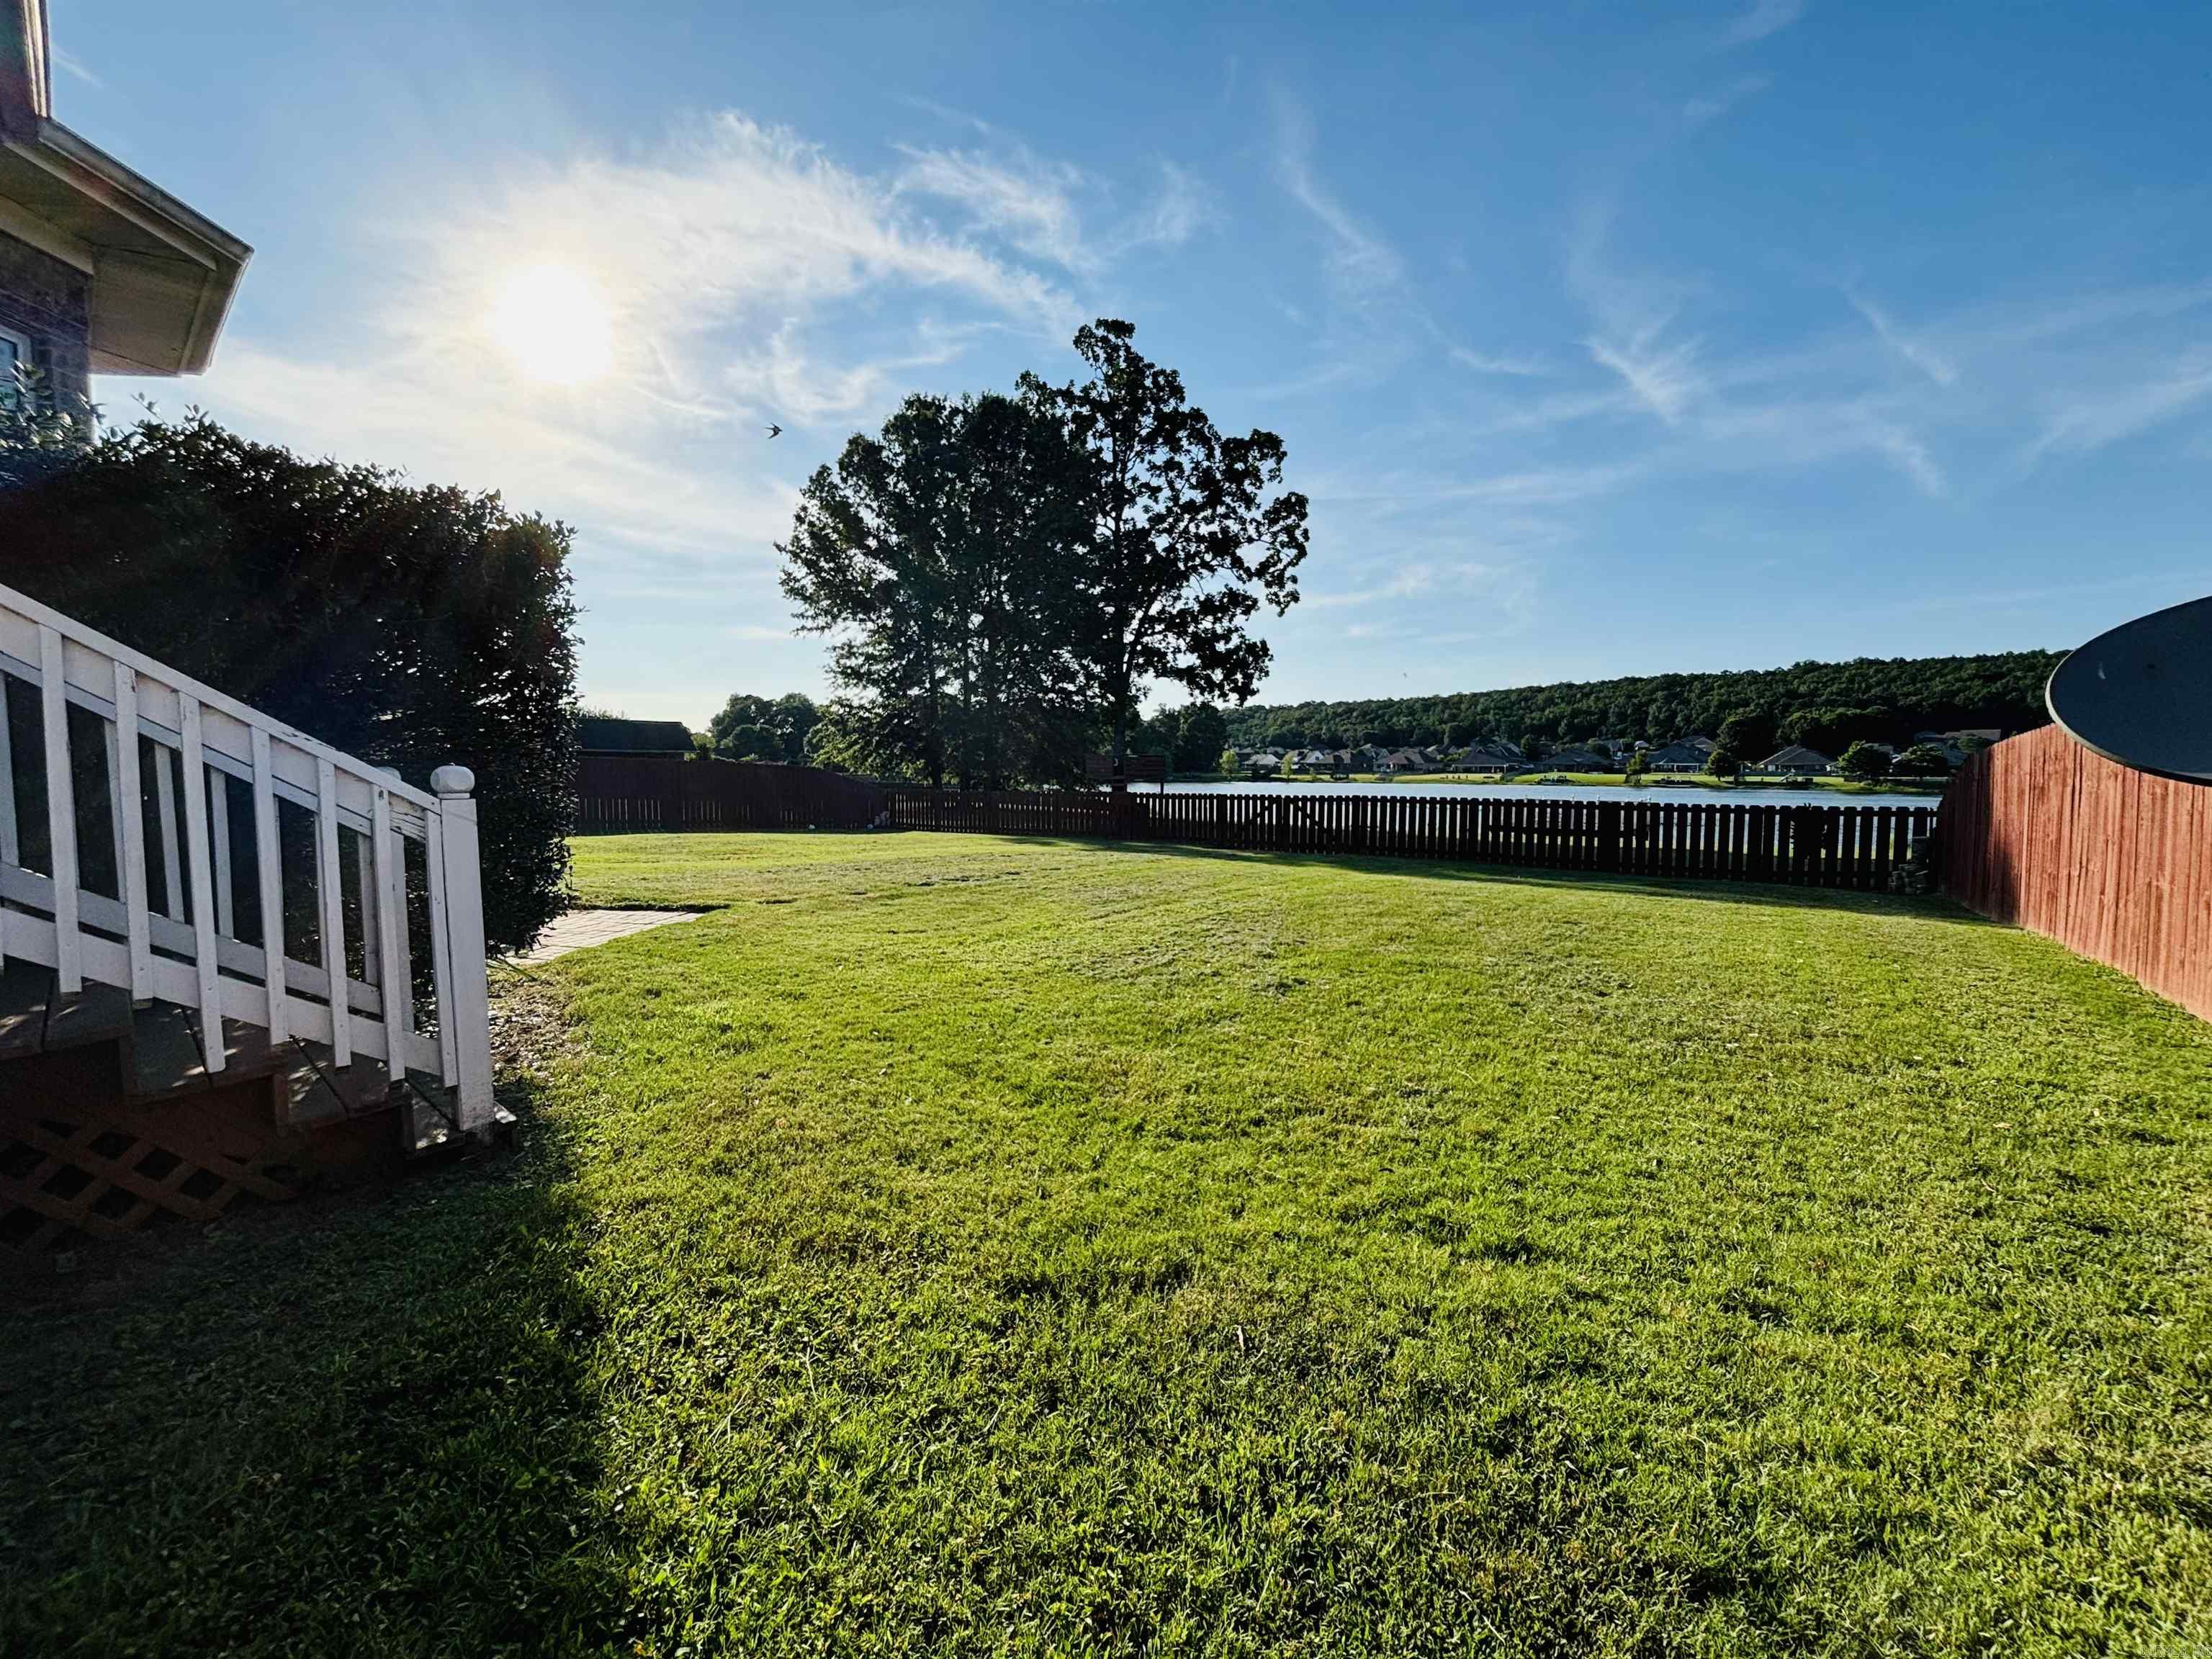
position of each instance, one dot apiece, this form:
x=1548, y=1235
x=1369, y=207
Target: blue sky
x=1606, y=339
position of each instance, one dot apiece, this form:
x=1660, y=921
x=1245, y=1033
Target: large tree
x=1014, y=607
x=865, y=561
x=939, y=555
x=1187, y=535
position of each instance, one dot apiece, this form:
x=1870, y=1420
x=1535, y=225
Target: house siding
x=49, y=300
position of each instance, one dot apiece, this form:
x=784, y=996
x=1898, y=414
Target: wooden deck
x=110, y=1119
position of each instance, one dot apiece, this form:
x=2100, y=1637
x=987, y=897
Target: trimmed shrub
x=408, y=624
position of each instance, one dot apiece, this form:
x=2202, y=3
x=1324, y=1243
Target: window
x=14, y=354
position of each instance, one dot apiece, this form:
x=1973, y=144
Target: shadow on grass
x=362, y=1426
x=1774, y=894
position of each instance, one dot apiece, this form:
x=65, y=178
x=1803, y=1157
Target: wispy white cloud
x=1634, y=319
x=1898, y=445
x=2077, y=423
x=1483, y=362
x=1362, y=264
x=1665, y=378
x=75, y=68
x=1922, y=355
x=1701, y=111
x=746, y=271
x=1180, y=209
x=1036, y=205
x=1765, y=17
x=1028, y=201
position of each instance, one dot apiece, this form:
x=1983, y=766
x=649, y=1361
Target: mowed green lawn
x=959, y=1245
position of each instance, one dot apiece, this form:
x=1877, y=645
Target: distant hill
x=1824, y=704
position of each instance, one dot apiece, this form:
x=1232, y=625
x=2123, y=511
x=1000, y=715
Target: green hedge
x=410, y=625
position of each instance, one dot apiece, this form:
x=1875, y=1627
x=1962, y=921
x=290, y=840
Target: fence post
x=466, y=1004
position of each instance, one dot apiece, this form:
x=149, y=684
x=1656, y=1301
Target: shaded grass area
x=967, y=1244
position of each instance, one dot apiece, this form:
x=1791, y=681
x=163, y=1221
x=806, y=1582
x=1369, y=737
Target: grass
x=955, y=1245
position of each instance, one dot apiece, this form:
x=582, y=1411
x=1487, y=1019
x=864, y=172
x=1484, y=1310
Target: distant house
x=1683, y=755
x=1492, y=757
x=1404, y=760
x=1797, y=760
x=1265, y=760
x=1954, y=743
x=605, y=735
x=1578, y=759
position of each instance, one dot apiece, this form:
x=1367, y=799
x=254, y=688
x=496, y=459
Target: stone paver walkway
x=580, y=929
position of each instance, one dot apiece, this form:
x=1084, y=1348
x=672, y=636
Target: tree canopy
x=748, y=727
x=1824, y=705
x=938, y=555
x=1002, y=578
x=1189, y=532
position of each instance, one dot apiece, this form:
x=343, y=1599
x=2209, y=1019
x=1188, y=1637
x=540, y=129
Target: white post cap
x=453, y=781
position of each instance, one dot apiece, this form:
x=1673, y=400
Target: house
x=1796, y=761
x=1492, y=757
x=159, y=1060
x=1683, y=755
x=600, y=734
x=1263, y=760
x=1577, y=760
x=1954, y=743
x=102, y=271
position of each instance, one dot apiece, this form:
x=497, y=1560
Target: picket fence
x=1849, y=847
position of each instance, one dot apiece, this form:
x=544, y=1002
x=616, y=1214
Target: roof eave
x=164, y=276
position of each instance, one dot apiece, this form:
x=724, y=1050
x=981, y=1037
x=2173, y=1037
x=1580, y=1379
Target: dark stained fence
x=2109, y=861
x=618, y=792
x=1854, y=846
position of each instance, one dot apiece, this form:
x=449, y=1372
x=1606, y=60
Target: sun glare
x=552, y=320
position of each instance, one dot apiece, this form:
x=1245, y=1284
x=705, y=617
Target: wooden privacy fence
x=2111, y=862
x=1722, y=840
x=652, y=791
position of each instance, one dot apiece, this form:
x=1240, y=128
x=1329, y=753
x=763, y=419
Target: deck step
x=165, y=1052
x=98, y=1013
x=318, y=1091
x=168, y=1058
x=25, y=990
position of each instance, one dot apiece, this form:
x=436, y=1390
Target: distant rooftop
x=603, y=735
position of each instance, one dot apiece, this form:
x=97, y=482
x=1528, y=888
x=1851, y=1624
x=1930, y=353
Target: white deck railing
x=171, y=931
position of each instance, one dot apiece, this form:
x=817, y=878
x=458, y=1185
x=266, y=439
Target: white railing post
x=464, y=1003
x=61, y=812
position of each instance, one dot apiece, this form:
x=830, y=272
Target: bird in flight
x=775, y=432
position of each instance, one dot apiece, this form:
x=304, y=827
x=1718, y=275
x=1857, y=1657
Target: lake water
x=1761, y=796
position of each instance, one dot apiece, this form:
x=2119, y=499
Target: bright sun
x=552, y=320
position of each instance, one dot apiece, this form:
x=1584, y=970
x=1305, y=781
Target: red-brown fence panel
x=2114, y=863
x=619, y=793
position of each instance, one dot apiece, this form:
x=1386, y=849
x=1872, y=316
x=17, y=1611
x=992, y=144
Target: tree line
x=1824, y=706
x=1002, y=578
